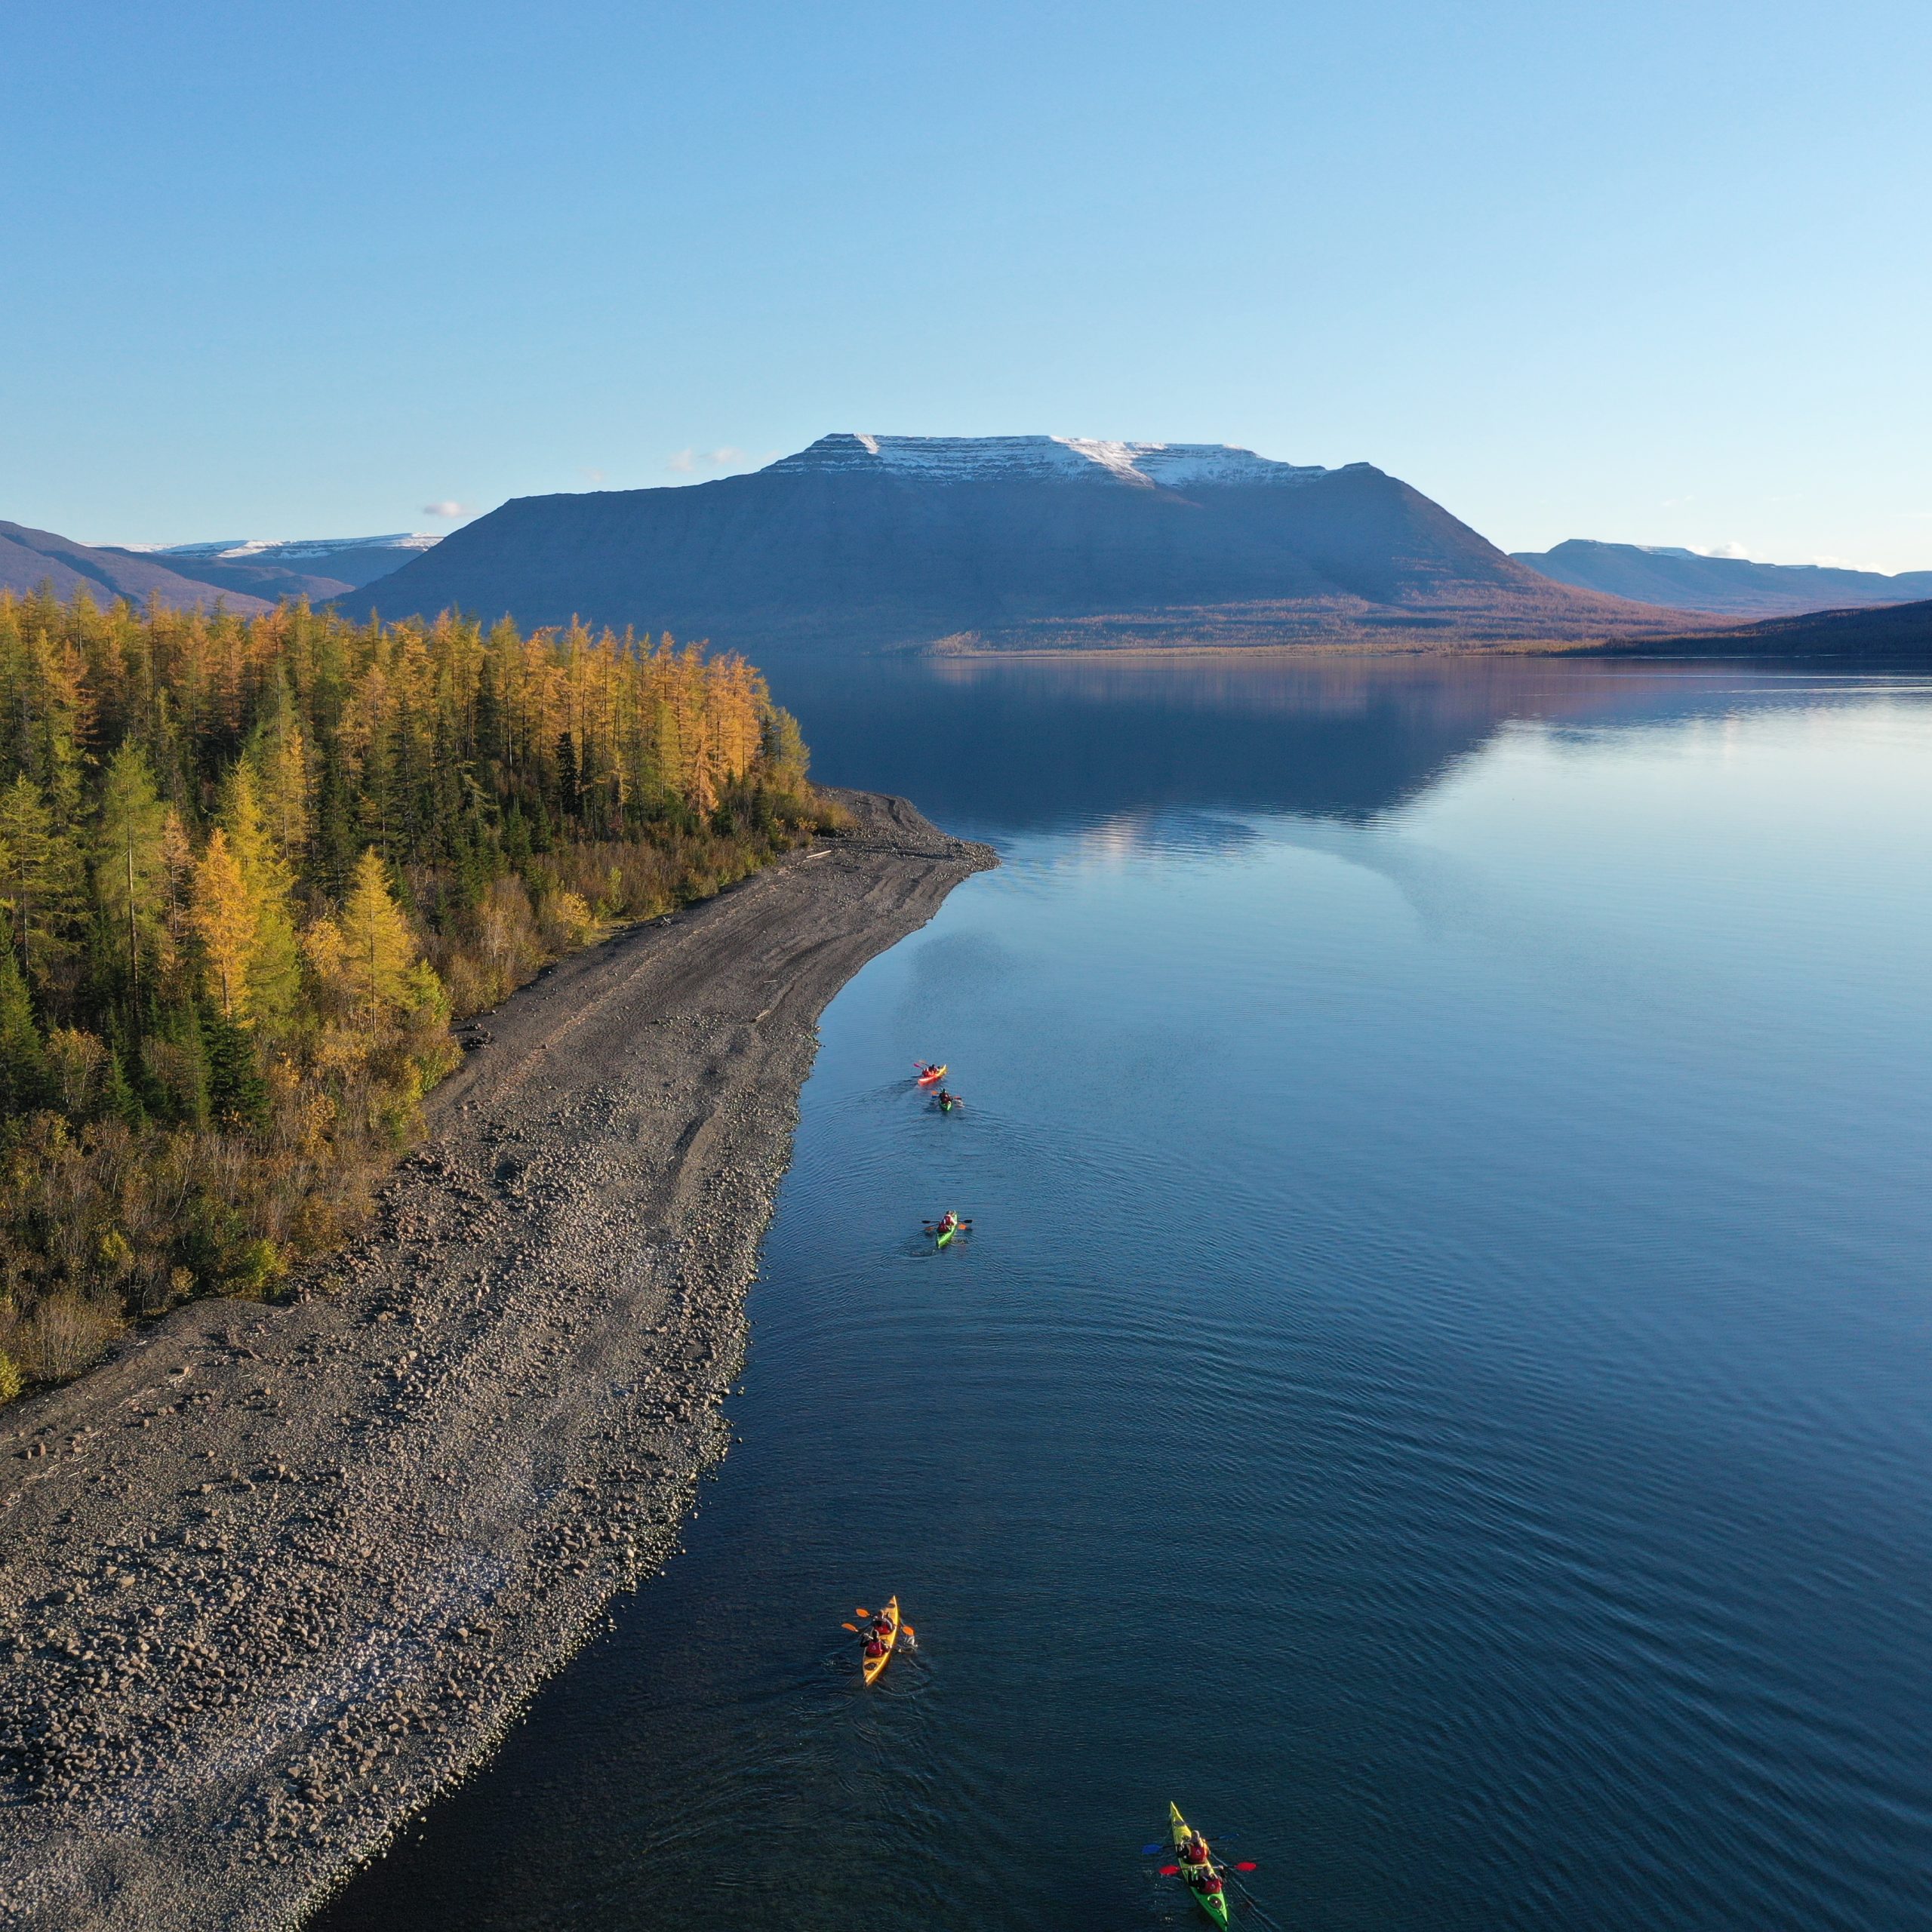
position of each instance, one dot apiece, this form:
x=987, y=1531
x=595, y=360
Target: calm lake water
x=1438, y=1381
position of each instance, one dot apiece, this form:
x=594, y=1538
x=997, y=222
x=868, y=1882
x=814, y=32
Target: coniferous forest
x=250, y=869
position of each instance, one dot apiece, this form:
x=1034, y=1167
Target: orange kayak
x=873, y=1666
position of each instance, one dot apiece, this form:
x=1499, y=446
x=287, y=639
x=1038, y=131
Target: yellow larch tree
x=378, y=952
x=223, y=920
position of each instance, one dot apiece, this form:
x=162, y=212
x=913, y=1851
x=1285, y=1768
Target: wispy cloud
x=448, y=508
x=688, y=463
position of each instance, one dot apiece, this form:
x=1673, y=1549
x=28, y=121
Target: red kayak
x=927, y=1074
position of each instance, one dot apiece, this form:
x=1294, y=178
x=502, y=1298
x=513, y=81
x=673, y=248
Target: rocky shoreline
x=273, y=1577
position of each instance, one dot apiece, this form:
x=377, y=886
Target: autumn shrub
x=64, y=1334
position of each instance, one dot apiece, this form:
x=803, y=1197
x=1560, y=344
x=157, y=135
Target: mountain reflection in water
x=1034, y=743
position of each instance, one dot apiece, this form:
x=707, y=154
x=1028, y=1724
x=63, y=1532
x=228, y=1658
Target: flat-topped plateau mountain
x=1725, y=587
x=31, y=557
x=870, y=543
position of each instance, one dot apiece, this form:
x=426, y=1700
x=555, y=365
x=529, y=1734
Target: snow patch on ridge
x=275, y=549
x=992, y=459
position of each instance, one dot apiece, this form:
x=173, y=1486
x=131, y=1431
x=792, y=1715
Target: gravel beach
x=272, y=1576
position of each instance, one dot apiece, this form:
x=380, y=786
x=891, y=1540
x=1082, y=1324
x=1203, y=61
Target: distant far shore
x=273, y=1577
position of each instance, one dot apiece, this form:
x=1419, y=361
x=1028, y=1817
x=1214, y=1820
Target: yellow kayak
x=873, y=1666
x=1199, y=1878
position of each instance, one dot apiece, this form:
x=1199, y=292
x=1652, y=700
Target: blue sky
x=1652, y=272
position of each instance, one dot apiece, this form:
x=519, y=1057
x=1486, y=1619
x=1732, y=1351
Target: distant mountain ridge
x=1727, y=587
x=867, y=542
x=29, y=558
x=1872, y=634
x=317, y=568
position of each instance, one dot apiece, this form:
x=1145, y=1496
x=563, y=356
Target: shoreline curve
x=273, y=1577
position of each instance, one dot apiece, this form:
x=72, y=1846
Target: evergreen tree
x=22, y=1058
x=38, y=885
x=130, y=869
x=238, y=1095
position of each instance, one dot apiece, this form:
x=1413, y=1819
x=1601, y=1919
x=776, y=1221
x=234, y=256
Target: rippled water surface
x=1440, y=1381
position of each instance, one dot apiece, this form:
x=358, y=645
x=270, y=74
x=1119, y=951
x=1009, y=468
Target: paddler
x=1194, y=1853
x=875, y=1647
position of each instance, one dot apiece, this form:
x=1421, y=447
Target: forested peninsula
x=251, y=868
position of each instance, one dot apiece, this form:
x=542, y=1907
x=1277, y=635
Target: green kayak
x=1202, y=1878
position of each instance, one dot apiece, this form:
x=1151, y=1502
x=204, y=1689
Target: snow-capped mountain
x=1067, y=458
x=280, y=550
x=315, y=567
x=871, y=542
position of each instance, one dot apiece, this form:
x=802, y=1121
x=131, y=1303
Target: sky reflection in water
x=1436, y=1382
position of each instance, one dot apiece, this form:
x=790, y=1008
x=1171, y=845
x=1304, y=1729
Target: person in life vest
x=875, y=1647
x=1195, y=1852
x=949, y=1223
x=881, y=1629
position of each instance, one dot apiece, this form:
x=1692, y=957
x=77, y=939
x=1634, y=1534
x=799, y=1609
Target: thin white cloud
x=448, y=508
x=688, y=461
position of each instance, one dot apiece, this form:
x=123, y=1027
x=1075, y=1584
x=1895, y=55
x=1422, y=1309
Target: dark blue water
x=1438, y=1382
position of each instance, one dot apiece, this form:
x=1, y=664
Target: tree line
x=249, y=870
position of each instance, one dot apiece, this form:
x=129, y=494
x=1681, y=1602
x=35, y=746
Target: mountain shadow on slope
x=30, y=559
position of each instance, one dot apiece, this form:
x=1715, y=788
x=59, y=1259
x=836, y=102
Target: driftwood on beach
x=273, y=1576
